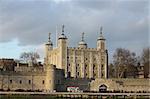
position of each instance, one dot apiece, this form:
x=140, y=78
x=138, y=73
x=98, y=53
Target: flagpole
x=56, y=36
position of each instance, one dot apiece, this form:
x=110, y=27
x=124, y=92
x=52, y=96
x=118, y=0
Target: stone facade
x=124, y=84
x=64, y=67
x=32, y=79
x=80, y=61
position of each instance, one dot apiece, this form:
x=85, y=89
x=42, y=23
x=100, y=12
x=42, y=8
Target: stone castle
x=64, y=67
x=81, y=61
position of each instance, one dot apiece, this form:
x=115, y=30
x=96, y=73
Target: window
x=78, y=73
x=102, y=74
x=85, y=66
x=86, y=74
x=76, y=68
x=94, y=67
x=58, y=81
x=29, y=81
x=43, y=82
x=20, y=82
x=94, y=75
x=10, y=81
x=102, y=66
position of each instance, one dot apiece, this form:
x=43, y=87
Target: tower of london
x=80, y=61
x=83, y=67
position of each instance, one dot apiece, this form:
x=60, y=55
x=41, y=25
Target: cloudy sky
x=24, y=24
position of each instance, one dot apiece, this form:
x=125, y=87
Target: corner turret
x=62, y=46
x=62, y=36
x=82, y=43
x=48, y=45
x=101, y=40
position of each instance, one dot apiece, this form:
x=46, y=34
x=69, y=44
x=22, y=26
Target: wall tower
x=48, y=47
x=62, y=46
x=101, y=40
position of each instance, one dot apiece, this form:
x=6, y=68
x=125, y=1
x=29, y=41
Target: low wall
x=121, y=84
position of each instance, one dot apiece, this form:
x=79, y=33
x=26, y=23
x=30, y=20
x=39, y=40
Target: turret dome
x=101, y=37
x=62, y=36
x=82, y=43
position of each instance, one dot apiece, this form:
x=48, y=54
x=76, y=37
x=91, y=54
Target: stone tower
x=103, y=59
x=62, y=47
x=50, y=77
x=101, y=41
x=80, y=61
x=48, y=47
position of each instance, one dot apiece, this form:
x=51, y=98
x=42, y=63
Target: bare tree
x=111, y=71
x=124, y=62
x=30, y=56
x=145, y=58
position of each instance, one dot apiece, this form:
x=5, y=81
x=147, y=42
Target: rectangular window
x=43, y=82
x=78, y=74
x=102, y=75
x=102, y=66
x=20, y=82
x=29, y=81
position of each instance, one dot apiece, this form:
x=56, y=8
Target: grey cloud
x=29, y=21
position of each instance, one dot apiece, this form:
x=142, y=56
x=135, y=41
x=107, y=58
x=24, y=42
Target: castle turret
x=62, y=46
x=82, y=43
x=103, y=66
x=50, y=78
x=48, y=45
x=101, y=41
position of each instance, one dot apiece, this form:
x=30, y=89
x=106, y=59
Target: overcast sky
x=24, y=24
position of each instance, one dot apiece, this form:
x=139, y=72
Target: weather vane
x=49, y=37
x=83, y=36
x=63, y=29
x=101, y=29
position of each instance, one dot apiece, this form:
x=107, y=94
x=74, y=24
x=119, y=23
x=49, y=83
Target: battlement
x=78, y=48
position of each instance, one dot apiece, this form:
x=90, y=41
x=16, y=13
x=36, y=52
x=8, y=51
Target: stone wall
x=24, y=81
x=35, y=80
x=121, y=84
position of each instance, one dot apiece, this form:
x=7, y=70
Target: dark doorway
x=69, y=74
x=102, y=88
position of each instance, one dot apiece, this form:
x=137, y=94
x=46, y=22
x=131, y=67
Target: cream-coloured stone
x=81, y=63
x=78, y=61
